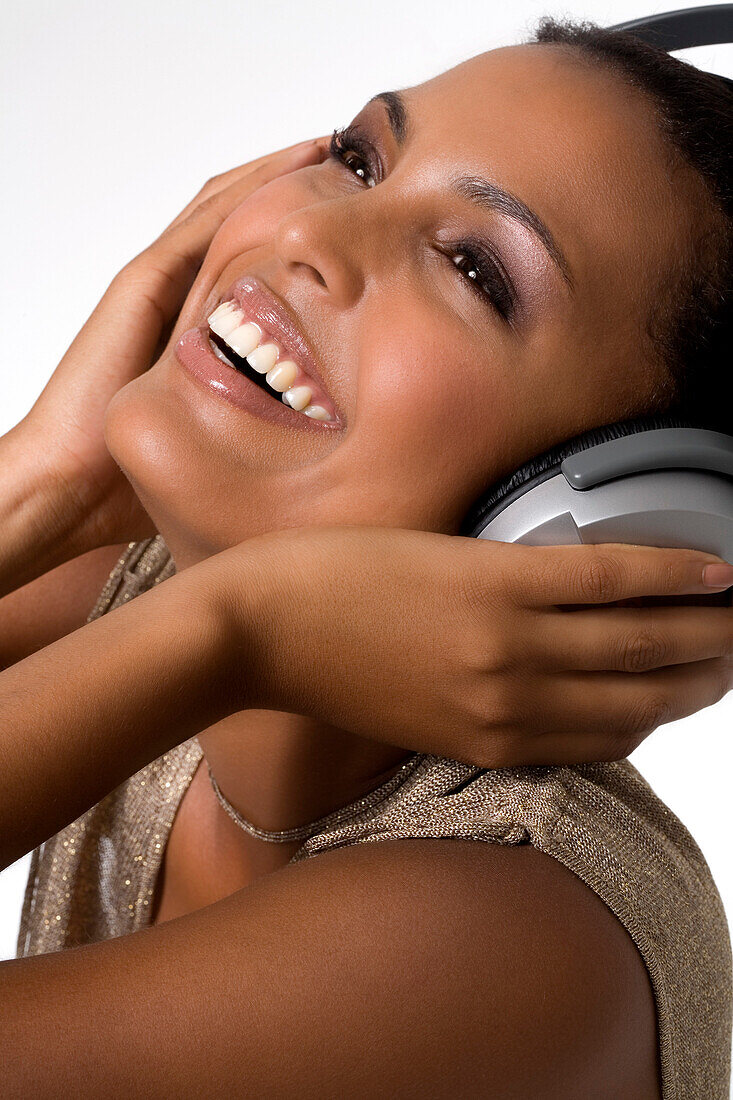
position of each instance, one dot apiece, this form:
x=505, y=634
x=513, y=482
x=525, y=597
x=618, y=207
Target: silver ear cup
x=650, y=485
x=677, y=508
x=572, y=457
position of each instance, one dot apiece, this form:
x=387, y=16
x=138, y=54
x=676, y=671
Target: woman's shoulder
x=605, y=825
x=602, y=821
x=436, y=968
x=494, y=955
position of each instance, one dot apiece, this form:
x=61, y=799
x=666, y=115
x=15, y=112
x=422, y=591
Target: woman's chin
x=197, y=501
x=151, y=450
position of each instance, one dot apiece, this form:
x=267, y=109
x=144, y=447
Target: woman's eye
x=485, y=277
x=356, y=153
x=348, y=146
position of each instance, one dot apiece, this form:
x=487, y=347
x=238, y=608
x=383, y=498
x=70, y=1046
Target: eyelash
x=499, y=295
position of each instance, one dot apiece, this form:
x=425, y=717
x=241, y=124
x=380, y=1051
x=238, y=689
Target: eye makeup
x=483, y=272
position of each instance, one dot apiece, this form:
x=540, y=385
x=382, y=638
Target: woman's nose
x=319, y=242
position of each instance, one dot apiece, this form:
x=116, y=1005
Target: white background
x=114, y=115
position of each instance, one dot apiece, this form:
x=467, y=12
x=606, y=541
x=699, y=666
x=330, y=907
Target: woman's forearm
x=80, y=716
x=38, y=524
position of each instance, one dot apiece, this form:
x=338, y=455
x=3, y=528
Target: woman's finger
x=191, y=235
x=225, y=179
x=606, y=572
x=601, y=716
x=633, y=640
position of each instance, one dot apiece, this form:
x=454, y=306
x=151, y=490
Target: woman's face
x=447, y=381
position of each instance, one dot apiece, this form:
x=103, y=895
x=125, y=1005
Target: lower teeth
x=220, y=354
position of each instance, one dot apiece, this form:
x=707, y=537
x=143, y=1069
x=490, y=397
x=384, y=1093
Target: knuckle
x=138, y=268
x=211, y=183
x=132, y=279
x=619, y=746
x=649, y=712
x=502, y=656
x=599, y=578
x=643, y=651
x=499, y=710
x=127, y=273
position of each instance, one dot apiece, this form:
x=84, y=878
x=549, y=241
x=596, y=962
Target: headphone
x=652, y=481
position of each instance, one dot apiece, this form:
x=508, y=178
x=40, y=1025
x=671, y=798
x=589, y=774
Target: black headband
x=710, y=25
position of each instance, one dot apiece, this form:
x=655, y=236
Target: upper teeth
x=244, y=337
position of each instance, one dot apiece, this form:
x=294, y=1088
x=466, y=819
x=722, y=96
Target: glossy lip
x=274, y=317
x=194, y=353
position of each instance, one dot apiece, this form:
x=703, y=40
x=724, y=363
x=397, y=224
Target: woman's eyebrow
x=480, y=191
x=396, y=113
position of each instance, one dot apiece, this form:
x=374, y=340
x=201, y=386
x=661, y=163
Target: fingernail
x=718, y=576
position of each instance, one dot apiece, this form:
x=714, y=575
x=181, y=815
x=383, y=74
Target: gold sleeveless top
x=95, y=878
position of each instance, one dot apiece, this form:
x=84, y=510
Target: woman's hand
x=62, y=435
x=468, y=648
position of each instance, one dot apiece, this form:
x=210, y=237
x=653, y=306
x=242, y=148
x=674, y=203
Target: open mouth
x=242, y=345
x=222, y=350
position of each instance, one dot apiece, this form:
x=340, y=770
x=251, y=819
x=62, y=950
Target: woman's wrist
x=41, y=519
x=239, y=588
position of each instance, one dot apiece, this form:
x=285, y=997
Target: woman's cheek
x=253, y=223
x=418, y=417
x=420, y=376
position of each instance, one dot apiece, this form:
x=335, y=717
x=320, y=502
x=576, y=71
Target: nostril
x=313, y=270
x=319, y=278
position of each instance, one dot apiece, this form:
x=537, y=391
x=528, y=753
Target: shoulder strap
x=142, y=565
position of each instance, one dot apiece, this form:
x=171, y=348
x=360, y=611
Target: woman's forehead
x=546, y=115
x=525, y=77
x=569, y=138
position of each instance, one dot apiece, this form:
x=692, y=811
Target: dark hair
x=689, y=310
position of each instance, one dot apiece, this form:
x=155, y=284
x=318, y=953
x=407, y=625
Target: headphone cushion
x=546, y=465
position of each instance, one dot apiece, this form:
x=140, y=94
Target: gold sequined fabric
x=95, y=879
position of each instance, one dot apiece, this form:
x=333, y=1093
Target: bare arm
x=54, y=604
x=86, y=712
x=407, y=968
x=239, y=631
x=38, y=518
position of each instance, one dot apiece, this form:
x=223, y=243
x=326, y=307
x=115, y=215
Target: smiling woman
x=288, y=661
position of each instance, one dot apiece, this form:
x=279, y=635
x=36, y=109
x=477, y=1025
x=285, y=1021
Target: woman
x=320, y=626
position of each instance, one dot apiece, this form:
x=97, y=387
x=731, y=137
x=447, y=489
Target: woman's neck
x=281, y=770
